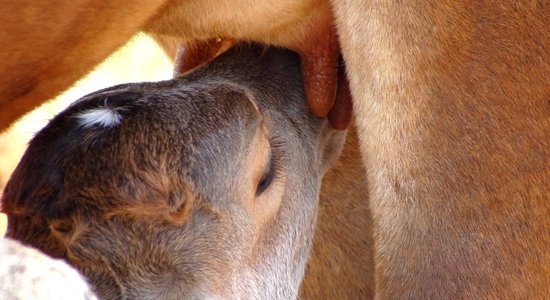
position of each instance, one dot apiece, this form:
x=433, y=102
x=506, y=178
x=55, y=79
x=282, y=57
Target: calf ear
x=332, y=143
x=339, y=119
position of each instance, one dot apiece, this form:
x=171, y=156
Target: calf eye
x=267, y=177
x=273, y=166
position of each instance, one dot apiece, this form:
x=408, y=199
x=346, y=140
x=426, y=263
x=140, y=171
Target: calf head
x=205, y=186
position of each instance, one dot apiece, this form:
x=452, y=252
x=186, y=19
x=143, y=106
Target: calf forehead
x=155, y=141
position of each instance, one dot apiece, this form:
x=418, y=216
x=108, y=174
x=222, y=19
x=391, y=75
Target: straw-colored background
x=140, y=60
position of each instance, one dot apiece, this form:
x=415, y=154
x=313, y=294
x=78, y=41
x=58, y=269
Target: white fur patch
x=106, y=117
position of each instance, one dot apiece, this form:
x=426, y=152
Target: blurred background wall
x=139, y=60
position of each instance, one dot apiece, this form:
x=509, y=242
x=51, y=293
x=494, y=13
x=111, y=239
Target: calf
x=205, y=186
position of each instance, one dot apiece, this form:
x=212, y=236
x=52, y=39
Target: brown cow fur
x=48, y=45
x=453, y=114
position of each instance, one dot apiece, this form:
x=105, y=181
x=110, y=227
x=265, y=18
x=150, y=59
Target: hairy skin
x=452, y=106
